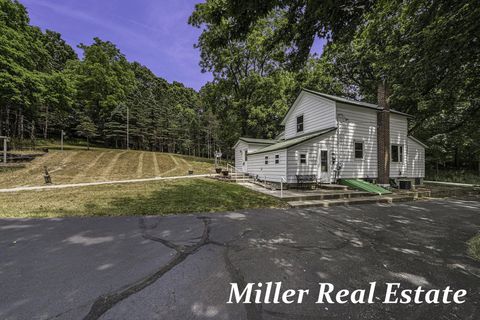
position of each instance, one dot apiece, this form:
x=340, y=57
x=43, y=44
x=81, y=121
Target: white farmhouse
x=335, y=138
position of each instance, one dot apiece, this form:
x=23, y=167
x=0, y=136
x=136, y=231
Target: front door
x=324, y=167
x=244, y=160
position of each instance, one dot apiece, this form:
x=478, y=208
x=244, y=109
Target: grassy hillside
x=79, y=165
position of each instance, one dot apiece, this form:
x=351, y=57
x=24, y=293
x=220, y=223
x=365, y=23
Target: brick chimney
x=383, y=135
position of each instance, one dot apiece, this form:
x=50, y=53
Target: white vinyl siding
x=271, y=171
x=360, y=126
x=242, y=147
x=416, y=159
x=311, y=149
x=239, y=154
x=398, y=136
x=318, y=113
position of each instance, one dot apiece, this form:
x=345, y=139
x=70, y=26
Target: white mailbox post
x=218, y=155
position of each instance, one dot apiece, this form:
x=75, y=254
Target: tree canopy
x=45, y=88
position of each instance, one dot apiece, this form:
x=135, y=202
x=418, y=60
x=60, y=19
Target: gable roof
x=346, y=101
x=257, y=141
x=293, y=141
x=417, y=141
x=254, y=141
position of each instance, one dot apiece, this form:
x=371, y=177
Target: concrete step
x=328, y=195
x=333, y=187
x=351, y=201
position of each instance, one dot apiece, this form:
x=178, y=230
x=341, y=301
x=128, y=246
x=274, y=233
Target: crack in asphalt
x=104, y=303
x=253, y=311
x=285, y=315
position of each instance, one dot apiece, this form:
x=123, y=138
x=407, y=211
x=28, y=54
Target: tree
x=104, y=80
x=303, y=21
x=87, y=129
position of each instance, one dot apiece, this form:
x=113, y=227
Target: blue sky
x=153, y=32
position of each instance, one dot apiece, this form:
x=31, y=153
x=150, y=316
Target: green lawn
x=152, y=198
x=474, y=247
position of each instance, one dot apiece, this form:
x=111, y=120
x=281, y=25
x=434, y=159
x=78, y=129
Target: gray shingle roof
x=294, y=141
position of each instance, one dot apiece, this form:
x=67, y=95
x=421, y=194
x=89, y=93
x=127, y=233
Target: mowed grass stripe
x=80, y=177
x=156, y=169
x=140, y=165
x=111, y=165
x=126, y=166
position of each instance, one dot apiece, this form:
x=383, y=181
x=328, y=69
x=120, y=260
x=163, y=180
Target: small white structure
x=332, y=138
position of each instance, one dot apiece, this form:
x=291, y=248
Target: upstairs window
x=266, y=159
x=358, y=150
x=277, y=159
x=300, y=123
x=303, y=158
x=397, y=153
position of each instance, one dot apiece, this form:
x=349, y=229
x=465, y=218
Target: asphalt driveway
x=181, y=267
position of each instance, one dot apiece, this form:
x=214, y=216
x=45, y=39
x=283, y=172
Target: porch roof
x=294, y=141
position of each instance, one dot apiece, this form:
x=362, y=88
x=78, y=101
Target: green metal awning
x=364, y=186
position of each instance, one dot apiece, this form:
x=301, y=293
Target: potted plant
x=218, y=170
x=225, y=173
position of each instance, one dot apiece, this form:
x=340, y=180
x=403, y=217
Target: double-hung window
x=277, y=159
x=266, y=159
x=358, y=150
x=300, y=123
x=397, y=153
x=303, y=158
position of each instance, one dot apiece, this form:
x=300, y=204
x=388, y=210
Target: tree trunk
x=32, y=134
x=7, y=122
x=1, y=120
x=45, y=128
x=21, y=125
x=456, y=159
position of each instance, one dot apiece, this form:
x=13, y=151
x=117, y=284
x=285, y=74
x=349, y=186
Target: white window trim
x=266, y=160
x=363, y=150
x=275, y=159
x=401, y=155
x=300, y=159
